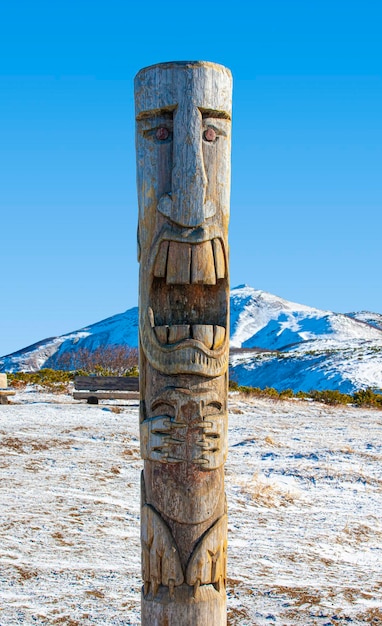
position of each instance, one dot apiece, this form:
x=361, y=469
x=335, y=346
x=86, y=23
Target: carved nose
x=187, y=205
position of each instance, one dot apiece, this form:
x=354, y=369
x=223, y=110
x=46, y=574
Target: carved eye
x=163, y=408
x=209, y=134
x=213, y=408
x=162, y=133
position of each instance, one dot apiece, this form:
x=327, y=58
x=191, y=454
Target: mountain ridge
x=275, y=343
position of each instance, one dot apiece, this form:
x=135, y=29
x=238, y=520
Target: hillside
x=274, y=342
x=302, y=348
x=303, y=486
x=120, y=329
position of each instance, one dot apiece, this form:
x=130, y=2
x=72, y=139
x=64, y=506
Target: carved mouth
x=188, y=296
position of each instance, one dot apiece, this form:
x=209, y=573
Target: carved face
x=183, y=175
x=183, y=435
x=186, y=428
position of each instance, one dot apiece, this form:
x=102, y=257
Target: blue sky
x=306, y=197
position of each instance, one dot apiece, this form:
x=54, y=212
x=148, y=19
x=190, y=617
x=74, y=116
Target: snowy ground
x=304, y=489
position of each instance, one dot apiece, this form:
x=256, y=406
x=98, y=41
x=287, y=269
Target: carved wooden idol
x=183, y=113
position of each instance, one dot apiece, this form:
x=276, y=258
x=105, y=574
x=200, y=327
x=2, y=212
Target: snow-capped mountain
x=120, y=329
x=262, y=320
x=289, y=345
x=274, y=342
x=374, y=319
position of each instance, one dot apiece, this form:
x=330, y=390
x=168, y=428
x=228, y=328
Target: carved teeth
x=161, y=260
x=204, y=445
x=178, y=263
x=150, y=313
x=219, y=336
x=191, y=272
x=204, y=333
x=211, y=336
x=154, y=586
x=202, y=264
x=220, y=265
x=196, y=588
x=178, y=333
x=171, y=588
x=182, y=263
x=161, y=333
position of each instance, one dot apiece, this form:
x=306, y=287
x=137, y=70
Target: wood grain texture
x=3, y=381
x=203, y=264
x=183, y=183
x=208, y=608
x=106, y=395
x=183, y=113
x=106, y=383
x=4, y=393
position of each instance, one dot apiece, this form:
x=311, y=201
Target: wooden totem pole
x=183, y=113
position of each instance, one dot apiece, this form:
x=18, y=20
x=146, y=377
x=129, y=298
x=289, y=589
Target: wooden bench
x=94, y=388
x=4, y=390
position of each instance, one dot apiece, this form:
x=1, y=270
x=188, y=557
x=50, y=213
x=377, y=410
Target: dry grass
x=65, y=620
x=271, y=442
x=27, y=446
x=116, y=409
x=13, y=443
x=25, y=573
x=269, y=493
x=347, y=450
x=95, y=593
x=60, y=538
x=372, y=616
x=238, y=617
x=299, y=595
x=132, y=452
x=358, y=533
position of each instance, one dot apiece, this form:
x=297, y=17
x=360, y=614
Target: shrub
x=55, y=381
x=103, y=361
x=331, y=396
x=286, y=393
x=302, y=395
x=233, y=385
x=271, y=392
x=367, y=397
x=364, y=397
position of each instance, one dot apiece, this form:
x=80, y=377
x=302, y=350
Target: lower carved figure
x=161, y=564
x=183, y=433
